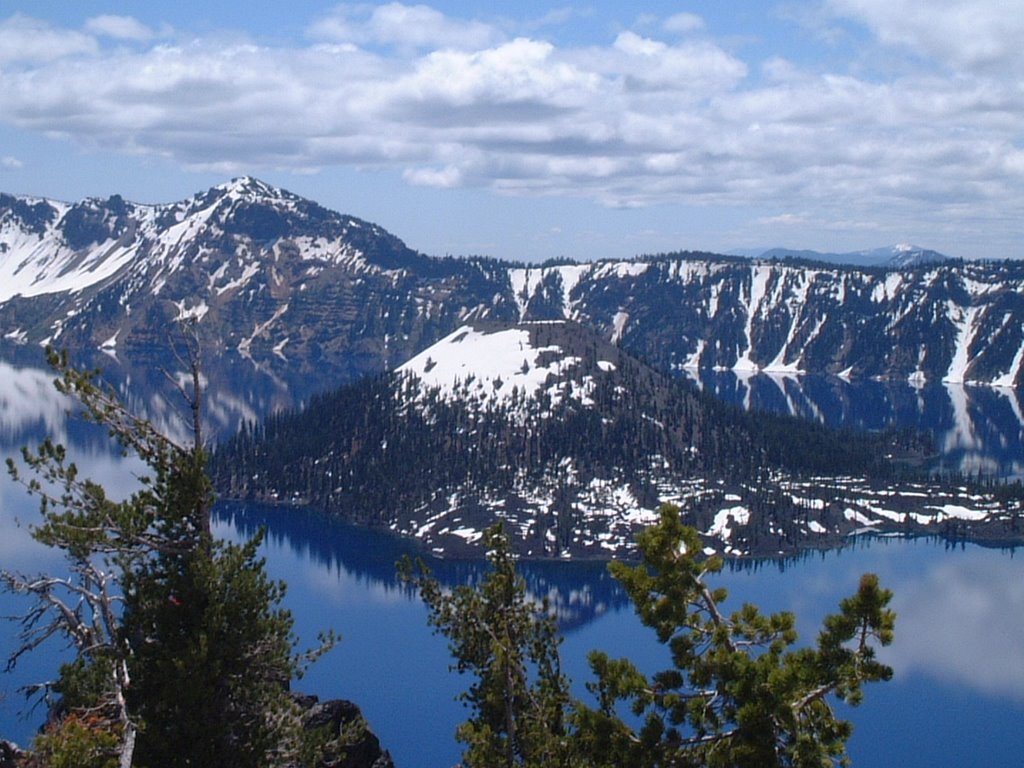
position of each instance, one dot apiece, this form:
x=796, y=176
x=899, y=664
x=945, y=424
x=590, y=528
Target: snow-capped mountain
x=575, y=444
x=267, y=274
x=900, y=256
x=289, y=285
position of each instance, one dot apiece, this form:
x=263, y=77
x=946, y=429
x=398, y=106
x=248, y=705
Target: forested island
x=576, y=444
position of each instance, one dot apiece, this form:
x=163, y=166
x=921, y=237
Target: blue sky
x=541, y=130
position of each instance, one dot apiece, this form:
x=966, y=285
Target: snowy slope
x=271, y=277
x=75, y=247
x=279, y=280
x=494, y=366
x=960, y=322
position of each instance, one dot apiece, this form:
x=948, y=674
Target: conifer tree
x=183, y=653
x=510, y=645
x=738, y=694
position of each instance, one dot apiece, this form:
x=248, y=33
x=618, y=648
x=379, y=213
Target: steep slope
x=285, y=284
x=959, y=323
x=268, y=275
x=575, y=444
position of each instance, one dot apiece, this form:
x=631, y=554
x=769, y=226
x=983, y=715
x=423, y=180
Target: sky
x=541, y=130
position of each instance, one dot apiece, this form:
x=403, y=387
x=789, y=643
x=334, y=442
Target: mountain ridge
x=898, y=256
x=279, y=280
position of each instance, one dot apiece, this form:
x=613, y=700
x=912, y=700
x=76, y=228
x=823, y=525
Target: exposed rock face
x=280, y=280
x=339, y=719
x=10, y=755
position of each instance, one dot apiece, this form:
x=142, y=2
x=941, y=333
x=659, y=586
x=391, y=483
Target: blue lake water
x=958, y=693
x=957, y=697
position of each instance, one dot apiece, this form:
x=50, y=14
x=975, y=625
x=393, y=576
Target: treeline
x=372, y=449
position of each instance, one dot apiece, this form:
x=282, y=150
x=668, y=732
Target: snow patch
x=725, y=519
x=619, y=325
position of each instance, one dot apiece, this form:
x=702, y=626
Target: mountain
x=266, y=273
x=292, y=288
x=901, y=256
x=574, y=444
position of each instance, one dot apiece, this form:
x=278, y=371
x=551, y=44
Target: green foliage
x=181, y=641
x=76, y=742
x=738, y=693
x=212, y=659
x=510, y=645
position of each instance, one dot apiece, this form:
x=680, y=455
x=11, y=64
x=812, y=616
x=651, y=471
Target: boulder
x=343, y=721
x=10, y=755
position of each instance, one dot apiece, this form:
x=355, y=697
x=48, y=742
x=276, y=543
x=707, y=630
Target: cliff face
x=282, y=281
x=953, y=322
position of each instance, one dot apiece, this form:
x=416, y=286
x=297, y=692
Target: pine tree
x=737, y=694
x=510, y=645
x=183, y=653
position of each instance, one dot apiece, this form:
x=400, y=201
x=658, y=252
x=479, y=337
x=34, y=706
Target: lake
x=957, y=697
x=958, y=693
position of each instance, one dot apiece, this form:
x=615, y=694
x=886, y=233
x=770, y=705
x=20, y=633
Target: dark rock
x=342, y=721
x=10, y=755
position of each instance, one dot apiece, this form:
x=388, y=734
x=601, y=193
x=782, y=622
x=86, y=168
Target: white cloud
x=517, y=73
x=10, y=162
x=697, y=69
x=30, y=41
x=118, y=27
x=416, y=26
x=683, y=23
x=442, y=178
x=636, y=120
x=971, y=34
x=787, y=219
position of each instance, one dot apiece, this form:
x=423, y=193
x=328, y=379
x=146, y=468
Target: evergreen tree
x=738, y=695
x=183, y=652
x=520, y=697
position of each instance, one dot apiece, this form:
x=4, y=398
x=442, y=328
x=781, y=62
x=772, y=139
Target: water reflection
x=962, y=621
x=961, y=610
x=29, y=404
x=974, y=428
x=577, y=592
x=236, y=391
x=950, y=642
x=958, y=648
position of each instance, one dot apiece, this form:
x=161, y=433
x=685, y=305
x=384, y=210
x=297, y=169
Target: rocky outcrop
x=340, y=725
x=335, y=724
x=10, y=755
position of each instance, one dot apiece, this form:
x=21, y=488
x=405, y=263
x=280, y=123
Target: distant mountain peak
x=899, y=256
x=251, y=188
